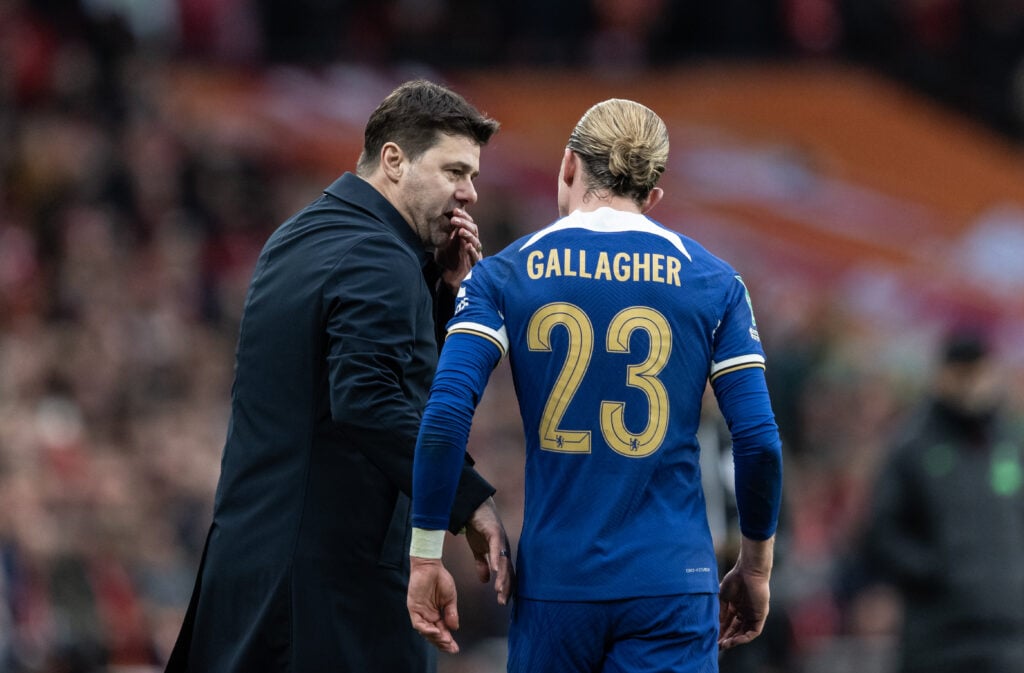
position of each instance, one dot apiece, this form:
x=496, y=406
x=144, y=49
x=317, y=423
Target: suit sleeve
x=372, y=321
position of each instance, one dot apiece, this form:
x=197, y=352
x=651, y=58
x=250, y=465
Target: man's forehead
x=456, y=148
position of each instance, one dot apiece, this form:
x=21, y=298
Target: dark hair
x=965, y=345
x=412, y=116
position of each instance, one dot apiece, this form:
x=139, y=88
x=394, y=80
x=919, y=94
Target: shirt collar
x=356, y=191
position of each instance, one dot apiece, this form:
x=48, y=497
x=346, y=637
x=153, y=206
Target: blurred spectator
x=947, y=524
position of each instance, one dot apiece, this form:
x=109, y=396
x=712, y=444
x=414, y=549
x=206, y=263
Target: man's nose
x=466, y=193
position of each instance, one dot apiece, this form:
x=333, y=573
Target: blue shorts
x=661, y=634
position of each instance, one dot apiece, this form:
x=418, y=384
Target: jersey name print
x=619, y=266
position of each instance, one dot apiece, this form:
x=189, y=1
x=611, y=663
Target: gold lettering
x=673, y=271
x=553, y=267
x=603, y=267
x=657, y=264
x=567, y=270
x=645, y=265
x=534, y=265
x=621, y=266
x=583, y=265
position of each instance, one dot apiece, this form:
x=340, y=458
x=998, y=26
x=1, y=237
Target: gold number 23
x=643, y=376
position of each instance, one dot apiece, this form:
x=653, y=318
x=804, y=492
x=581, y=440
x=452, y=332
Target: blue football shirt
x=613, y=325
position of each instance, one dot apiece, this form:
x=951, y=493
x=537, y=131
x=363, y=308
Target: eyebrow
x=463, y=166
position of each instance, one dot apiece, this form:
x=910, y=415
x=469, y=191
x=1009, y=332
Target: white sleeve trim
x=752, y=360
x=499, y=336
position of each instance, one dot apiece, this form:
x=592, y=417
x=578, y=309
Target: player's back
x=614, y=324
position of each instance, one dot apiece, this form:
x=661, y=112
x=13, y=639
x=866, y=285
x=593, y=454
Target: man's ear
x=570, y=163
x=652, y=199
x=392, y=161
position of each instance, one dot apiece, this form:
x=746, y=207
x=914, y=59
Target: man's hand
x=744, y=594
x=432, y=602
x=462, y=251
x=489, y=544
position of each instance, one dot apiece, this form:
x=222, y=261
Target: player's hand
x=489, y=544
x=431, y=601
x=462, y=251
x=743, y=606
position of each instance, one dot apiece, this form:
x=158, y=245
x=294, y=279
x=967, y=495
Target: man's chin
x=440, y=238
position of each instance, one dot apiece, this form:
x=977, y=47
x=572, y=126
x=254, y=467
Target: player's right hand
x=431, y=601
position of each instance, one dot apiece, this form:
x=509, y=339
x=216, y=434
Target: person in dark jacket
x=947, y=524
x=306, y=562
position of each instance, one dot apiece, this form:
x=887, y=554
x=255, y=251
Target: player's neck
x=591, y=202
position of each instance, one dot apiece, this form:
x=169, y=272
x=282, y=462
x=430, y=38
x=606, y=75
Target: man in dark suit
x=306, y=563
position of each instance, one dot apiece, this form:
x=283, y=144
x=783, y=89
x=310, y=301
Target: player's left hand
x=743, y=606
x=431, y=601
x=462, y=251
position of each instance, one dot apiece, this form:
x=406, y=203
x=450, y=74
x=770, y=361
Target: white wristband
x=426, y=543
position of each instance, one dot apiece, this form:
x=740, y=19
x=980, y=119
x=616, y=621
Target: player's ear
x=567, y=171
x=652, y=199
x=392, y=161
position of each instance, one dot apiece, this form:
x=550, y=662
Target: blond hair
x=624, y=147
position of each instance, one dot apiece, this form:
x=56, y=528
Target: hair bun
x=630, y=159
x=624, y=145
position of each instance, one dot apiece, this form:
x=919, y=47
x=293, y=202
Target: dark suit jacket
x=306, y=563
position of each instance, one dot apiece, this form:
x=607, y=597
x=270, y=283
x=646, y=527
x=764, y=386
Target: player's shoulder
x=698, y=253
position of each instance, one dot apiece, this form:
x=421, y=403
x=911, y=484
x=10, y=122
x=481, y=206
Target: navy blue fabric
x=756, y=449
x=660, y=634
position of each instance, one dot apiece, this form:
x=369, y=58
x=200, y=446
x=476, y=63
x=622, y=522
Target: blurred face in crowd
x=431, y=186
x=974, y=388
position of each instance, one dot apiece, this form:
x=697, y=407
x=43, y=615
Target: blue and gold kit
x=613, y=325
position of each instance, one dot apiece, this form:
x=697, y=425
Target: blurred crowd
x=126, y=243
x=968, y=54
x=125, y=250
